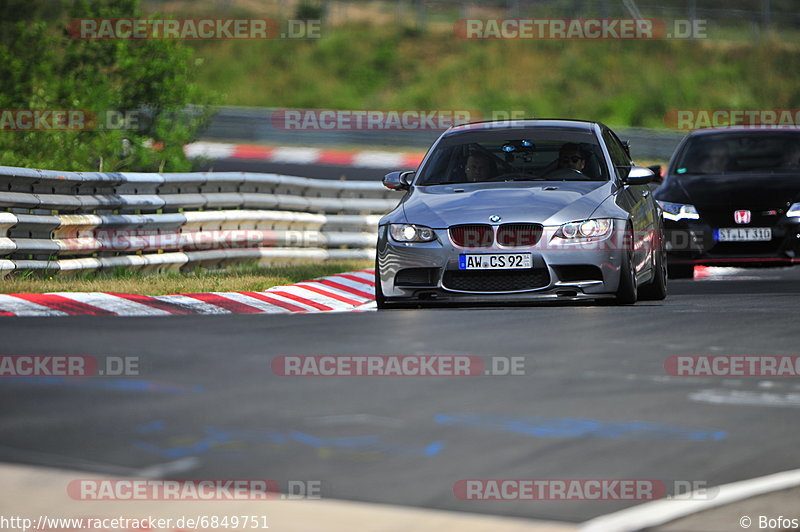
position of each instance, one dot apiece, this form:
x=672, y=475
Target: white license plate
x=495, y=261
x=743, y=234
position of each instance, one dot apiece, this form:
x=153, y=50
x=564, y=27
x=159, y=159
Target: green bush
x=149, y=81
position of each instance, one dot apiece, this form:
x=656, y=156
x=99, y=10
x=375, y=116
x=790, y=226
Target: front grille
x=416, y=277
x=496, y=280
x=759, y=217
x=472, y=235
x=519, y=235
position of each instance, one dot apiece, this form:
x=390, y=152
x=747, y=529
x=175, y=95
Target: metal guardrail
x=255, y=124
x=65, y=222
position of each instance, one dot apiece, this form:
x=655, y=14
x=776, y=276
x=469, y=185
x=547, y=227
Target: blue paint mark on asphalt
x=580, y=428
x=126, y=385
x=214, y=437
x=434, y=448
x=340, y=443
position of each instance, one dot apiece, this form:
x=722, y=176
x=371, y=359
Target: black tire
x=627, y=290
x=380, y=300
x=680, y=271
x=656, y=290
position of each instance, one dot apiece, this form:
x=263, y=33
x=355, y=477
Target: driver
x=791, y=158
x=479, y=167
x=716, y=160
x=571, y=156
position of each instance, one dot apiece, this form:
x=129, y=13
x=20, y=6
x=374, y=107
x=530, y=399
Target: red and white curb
x=353, y=291
x=298, y=155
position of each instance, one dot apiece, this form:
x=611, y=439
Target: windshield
x=515, y=155
x=741, y=153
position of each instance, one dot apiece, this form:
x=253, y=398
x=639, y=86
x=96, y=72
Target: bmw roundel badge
x=494, y=218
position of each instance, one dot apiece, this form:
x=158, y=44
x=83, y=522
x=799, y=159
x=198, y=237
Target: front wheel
x=627, y=290
x=657, y=289
x=380, y=300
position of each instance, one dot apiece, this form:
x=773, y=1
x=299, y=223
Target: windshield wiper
x=517, y=177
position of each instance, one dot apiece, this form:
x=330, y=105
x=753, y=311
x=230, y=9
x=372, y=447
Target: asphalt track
x=595, y=401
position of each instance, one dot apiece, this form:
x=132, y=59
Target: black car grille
x=472, y=235
x=759, y=217
x=496, y=280
x=519, y=235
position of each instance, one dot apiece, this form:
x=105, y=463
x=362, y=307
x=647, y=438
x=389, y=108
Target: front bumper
x=568, y=272
x=693, y=242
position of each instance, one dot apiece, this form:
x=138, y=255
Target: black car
x=731, y=197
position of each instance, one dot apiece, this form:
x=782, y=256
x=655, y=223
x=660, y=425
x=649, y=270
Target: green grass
x=249, y=277
x=623, y=83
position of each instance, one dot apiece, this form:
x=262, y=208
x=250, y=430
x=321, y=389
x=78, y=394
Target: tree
x=128, y=98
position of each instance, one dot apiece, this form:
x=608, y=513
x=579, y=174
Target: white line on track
x=656, y=513
x=746, y=398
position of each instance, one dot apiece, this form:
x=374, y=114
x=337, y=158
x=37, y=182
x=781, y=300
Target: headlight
x=794, y=210
x=411, y=233
x=586, y=229
x=678, y=211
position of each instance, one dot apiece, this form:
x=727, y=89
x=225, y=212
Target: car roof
x=743, y=129
x=581, y=125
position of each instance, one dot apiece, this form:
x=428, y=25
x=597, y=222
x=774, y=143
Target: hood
x=758, y=191
x=548, y=203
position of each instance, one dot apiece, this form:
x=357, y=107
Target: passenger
x=716, y=160
x=479, y=167
x=571, y=156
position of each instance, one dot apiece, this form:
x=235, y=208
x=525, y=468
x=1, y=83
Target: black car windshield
x=514, y=154
x=730, y=153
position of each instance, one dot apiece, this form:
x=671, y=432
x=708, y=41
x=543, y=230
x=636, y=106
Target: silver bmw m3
x=522, y=211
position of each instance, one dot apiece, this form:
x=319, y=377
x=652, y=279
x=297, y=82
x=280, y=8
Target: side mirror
x=398, y=180
x=639, y=176
x=658, y=177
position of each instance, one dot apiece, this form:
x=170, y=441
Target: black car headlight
x=411, y=233
x=794, y=211
x=585, y=230
x=678, y=211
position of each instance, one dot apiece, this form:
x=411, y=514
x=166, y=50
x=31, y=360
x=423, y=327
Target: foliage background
x=43, y=67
